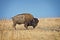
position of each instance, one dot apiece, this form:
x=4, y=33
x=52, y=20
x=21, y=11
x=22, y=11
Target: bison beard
x=26, y=19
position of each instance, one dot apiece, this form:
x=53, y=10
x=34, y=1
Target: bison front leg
x=25, y=25
x=34, y=26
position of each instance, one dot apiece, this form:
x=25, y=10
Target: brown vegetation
x=43, y=31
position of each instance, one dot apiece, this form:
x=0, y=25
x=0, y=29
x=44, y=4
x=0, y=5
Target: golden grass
x=49, y=22
x=32, y=34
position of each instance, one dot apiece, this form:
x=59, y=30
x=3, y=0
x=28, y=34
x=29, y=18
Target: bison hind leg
x=25, y=25
x=14, y=26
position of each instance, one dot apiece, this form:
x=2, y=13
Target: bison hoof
x=34, y=27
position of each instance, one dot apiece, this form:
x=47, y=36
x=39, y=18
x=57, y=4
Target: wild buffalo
x=26, y=19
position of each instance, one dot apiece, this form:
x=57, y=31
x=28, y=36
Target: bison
x=26, y=19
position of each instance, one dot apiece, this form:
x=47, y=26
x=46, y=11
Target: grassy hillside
x=47, y=29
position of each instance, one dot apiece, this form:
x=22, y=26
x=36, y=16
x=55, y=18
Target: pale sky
x=38, y=8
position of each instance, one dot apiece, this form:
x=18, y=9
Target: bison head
x=33, y=23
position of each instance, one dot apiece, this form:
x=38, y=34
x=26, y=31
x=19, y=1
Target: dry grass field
x=47, y=29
